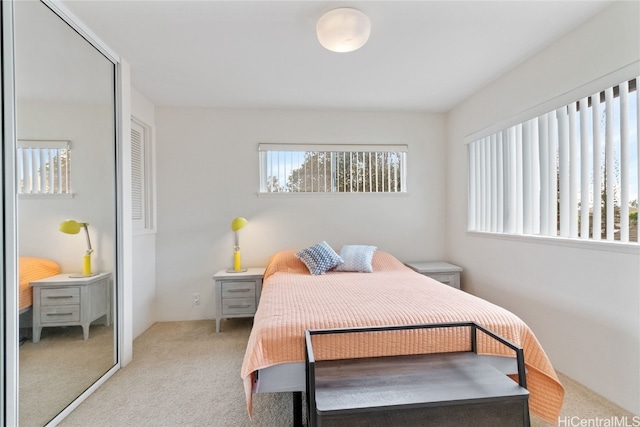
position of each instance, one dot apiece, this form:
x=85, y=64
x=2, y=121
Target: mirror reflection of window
x=65, y=98
x=44, y=168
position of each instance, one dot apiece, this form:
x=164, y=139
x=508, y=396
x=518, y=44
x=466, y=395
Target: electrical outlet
x=196, y=299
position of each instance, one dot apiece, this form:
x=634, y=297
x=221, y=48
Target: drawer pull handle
x=239, y=290
x=59, y=314
x=60, y=297
x=240, y=306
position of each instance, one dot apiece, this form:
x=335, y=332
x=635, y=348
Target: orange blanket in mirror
x=31, y=269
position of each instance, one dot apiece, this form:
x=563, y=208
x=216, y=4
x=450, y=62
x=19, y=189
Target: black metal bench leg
x=297, y=409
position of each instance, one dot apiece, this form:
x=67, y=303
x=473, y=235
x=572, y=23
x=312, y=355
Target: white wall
x=144, y=242
x=207, y=162
x=582, y=303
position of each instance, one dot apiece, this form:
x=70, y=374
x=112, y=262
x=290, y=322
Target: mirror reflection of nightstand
x=443, y=272
x=63, y=300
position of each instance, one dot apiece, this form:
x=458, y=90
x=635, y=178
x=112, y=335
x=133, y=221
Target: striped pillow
x=319, y=258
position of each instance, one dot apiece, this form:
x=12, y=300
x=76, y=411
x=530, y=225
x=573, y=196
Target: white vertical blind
x=584, y=169
x=624, y=161
x=332, y=168
x=527, y=177
x=575, y=159
x=564, y=168
x=535, y=178
x=519, y=181
x=512, y=194
x=43, y=167
x=597, y=172
x=543, y=132
x=573, y=172
x=609, y=163
x=473, y=176
x=638, y=153
x=493, y=182
x=500, y=182
x=553, y=177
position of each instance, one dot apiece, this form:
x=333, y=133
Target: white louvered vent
x=141, y=190
x=137, y=172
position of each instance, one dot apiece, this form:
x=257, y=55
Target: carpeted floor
x=54, y=371
x=184, y=374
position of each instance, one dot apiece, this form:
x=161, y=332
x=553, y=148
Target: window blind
x=43, y=167
x=572, y=172
x=332, y=168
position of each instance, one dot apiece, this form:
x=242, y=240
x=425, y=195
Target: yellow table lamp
x=72, y=226
x=236, y=225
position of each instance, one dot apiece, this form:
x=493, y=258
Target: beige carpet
x=54, y=371
x=184, y=374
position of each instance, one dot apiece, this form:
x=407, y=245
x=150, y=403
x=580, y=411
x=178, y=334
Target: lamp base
x=79, y=275
x=242, y=270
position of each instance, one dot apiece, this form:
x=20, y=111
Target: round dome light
x=343, y=29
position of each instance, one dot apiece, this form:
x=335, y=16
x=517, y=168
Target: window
x=290, y=168
x=44, y=167
x=141, y=179
x=572, y=172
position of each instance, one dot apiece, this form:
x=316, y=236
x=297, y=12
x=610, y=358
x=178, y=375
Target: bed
x=293, y=301
x=30, y=269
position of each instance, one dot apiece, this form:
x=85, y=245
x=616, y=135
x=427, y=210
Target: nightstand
x=443, y=272
x=237, y=294
x=66, y=301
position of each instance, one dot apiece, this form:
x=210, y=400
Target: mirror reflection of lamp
x=236, y=225
x=72, y=226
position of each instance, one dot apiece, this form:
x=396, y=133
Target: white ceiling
x=421, y=56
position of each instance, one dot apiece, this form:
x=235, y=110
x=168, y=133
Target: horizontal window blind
x=332, y=168
x=44, y=167
x=572, y=172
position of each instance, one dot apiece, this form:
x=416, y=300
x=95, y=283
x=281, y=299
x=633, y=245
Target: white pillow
x=356, y=258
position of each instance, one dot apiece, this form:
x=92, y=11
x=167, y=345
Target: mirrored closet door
x=66, y=216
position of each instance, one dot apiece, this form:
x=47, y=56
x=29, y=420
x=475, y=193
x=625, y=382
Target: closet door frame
x=9, y=365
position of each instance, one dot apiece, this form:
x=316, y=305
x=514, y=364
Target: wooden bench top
x=426, y=380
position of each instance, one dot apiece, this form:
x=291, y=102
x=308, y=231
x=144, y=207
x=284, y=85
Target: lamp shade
x=343, y=29
x=238, y=223
x=71, y=226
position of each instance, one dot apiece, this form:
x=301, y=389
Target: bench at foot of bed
x=443, y=389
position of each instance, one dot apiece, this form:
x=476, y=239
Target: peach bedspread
x=30, y=269
x=293, y=301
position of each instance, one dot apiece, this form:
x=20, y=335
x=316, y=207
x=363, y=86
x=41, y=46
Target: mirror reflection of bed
x=65, y=95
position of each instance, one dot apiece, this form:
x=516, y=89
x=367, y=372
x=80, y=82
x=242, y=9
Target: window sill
x=341, y=194
x=600, y=245
x=45, y=196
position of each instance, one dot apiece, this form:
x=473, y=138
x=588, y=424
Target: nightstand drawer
x=239, y=290
x=446, y=278
x=60, y=296
x=238, y=305
x=60, y=313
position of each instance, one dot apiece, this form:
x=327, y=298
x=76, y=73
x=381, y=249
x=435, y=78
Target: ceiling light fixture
x=343, y=29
